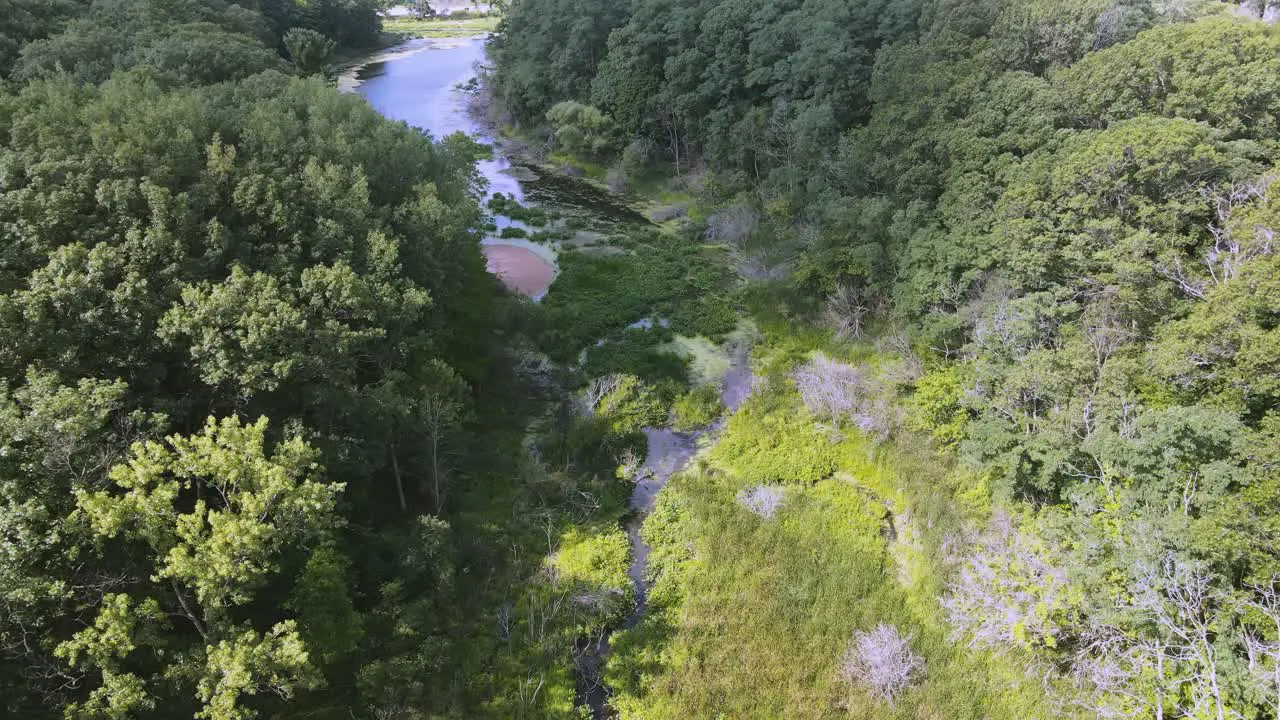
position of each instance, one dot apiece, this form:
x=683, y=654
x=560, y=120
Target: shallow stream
x=423, y=83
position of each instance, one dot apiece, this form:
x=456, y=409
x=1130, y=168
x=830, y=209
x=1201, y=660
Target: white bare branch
x=882, y=661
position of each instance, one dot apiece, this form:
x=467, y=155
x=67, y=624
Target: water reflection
x=421, y=83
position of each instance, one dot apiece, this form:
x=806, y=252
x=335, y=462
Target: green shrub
x=638, y=352
x=631, y=405
x=773, y=439
x=595, y=565
x=697, y=408
x=512, y=232
x=938, y=406
x=594, y=296
x=508, y=206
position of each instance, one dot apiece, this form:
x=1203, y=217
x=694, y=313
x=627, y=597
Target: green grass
x=596, y=297
x=749, y=617
x=441, y=27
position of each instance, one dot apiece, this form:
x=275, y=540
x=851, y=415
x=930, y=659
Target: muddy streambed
x=667, y=453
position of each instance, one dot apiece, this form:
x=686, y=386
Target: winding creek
x=421, y=82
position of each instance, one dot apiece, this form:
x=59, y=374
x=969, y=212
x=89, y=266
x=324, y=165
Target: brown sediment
x=520, y=269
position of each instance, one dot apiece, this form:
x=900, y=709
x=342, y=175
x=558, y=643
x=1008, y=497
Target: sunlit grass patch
x=753, y=612
x=441, y=27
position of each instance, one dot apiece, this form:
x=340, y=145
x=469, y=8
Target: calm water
x=419, y=83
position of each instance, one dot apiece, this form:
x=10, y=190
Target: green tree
x=311, y=52
x=580, y=129
x=30, y=20
x=217, y=516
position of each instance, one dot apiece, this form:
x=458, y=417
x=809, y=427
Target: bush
x=628, y=404
x=596, y=295
x=595, y=566
x=580, y=129
x=639, y=353
x=310, y=51
x=882, y=661
x=512, y=232
x=768, y=441
x=508, y=206
x=938, y=408
x=697, y=408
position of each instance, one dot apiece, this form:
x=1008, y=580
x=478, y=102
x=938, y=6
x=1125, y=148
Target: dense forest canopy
x=233, y=303
x=273, y=443
x=1070, y=207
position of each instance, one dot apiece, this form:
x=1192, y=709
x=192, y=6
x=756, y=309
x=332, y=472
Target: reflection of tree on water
x=579, y=197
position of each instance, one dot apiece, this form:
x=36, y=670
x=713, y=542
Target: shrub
x=595, y=567
x=310, y=51
x=841, y=393
x=697, y=408
x=639, y=353
x=594, y=296
x=882, y=661
x=580, y=129
x=776, y=444
x=508, y=206
x=512, y=232
x=636, y=155
x=630, y=404
x=937, y=406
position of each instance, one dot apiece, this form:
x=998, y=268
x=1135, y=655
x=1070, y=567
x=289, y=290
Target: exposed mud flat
x=520, y=269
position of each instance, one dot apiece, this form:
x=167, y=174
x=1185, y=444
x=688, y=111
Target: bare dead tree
x=882, y=661
x=1003, y=330
x=909, y=367
x=617, y=179
x=1104, y=327
x=829, y=389
x=763, y=500
x=1005, y=589
x=598, y=389
x=1233, y=245
x=847, y=309
x=733, y=225
x=1123, y=673
x=1264, y=654
x=437, y=414
x=1180, y=598
x=1176, y=10
x=840, y=393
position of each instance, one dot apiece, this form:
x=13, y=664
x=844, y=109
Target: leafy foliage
x=696, y=408
x=1069, y=207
